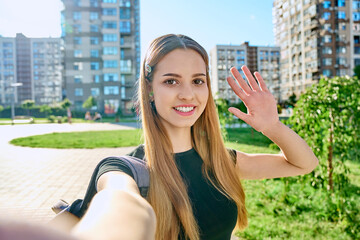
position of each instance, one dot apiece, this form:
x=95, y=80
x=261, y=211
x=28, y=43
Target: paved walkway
x=33, y=179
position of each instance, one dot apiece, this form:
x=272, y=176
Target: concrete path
x=33, y=179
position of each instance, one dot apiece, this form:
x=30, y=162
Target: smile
x=184, y=109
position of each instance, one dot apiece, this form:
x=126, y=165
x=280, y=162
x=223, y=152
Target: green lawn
x=297, y=213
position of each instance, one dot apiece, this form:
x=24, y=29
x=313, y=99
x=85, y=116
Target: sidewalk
x=33, y=179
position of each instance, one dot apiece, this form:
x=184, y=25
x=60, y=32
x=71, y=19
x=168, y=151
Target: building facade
x=101, y=53
x=258, y=58
x=33, y=62
x=317, y=38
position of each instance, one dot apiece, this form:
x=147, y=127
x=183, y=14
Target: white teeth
x=184, y=109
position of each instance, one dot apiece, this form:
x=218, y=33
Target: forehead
x=181, y=60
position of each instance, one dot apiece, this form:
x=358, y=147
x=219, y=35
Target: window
x=125, y=3
x=77, y=28
x=94, y=28
x=95, y=92
x=109, y=11
x=94, y=15
x=341, y=49
x=77, y=53
x=341, y=61
x=109, y=25
x=77, y=66
x=341, y=3
x=327, y=50
x=96, y=78
x=356, y=39
x=125, y=66
x=111, y=90
x=110, y=77
x=78, y=79
x=94, y=40
x=77, y=3
x=94, y=65
x=326, y=4
x=356, y=4
x=110, y=37
x=94, y=53
x=110, y=64
x=94, y=3
x=356, y=16
x=326, y=39
x=342, y=26
x=327, y=61
x=8, y=45
x=77, y=40
x=341, y=72
x=326, y=15
x=122, y=53
x=240, y=52
x=109, y=1
x=78, y=92
x=357, y=50
x=327, y=72
x=77, y=15
x=125, y=13
x=125, y=27
x=110, y=51
x=341, y=15
x=123, y=79
x=123, y=93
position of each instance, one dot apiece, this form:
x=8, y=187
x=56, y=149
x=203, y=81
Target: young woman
x=195, y=190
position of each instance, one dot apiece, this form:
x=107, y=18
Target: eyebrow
x=177, y=75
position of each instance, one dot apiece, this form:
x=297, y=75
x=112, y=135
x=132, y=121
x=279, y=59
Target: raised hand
x=260, y=103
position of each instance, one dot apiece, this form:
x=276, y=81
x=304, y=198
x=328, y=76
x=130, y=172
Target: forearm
x=295, y=150
x=116, y=214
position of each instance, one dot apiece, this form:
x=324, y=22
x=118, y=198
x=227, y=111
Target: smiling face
x=180, y=88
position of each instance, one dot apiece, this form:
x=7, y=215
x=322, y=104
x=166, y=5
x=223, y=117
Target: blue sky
x=210, y=22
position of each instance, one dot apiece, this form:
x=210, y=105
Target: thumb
x=243, y=116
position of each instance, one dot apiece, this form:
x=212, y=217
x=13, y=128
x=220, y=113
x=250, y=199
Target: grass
x=273, y=213
x=7, y=121
x=91, y=139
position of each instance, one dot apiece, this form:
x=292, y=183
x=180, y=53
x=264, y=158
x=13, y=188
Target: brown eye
x=170, y=81
x=199, y=81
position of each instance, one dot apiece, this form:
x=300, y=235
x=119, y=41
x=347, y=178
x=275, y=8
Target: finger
x=261, y=82
x=243, y=116
x=237, y=90
x=240, y=80
x=254, y=85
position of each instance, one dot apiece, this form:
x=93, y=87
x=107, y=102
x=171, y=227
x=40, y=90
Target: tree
x=225, y=117
x=65, y=103
x=357, y=71
x=45, y=109
x=1, y=108
x=89, y=103
x=28, y=104
x=327, y=117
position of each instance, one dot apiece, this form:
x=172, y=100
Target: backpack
x=141, y=176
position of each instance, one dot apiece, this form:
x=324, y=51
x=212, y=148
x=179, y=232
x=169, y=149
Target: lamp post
x=13, y=85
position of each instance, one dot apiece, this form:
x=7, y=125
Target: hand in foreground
x=260, y=103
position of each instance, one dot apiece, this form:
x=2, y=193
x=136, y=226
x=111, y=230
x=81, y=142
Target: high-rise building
x=101, y=52
x=264, y=59
x=317, y=38
x=33, y=62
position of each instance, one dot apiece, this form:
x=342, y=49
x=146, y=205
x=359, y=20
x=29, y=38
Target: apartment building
x=101, y=52
x=317, y=39
x=264, y=59
x=33, y=62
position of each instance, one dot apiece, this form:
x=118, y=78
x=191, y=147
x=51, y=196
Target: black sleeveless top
x=215, y=214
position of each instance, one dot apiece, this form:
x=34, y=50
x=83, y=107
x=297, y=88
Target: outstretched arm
x=117, y=211
x=296, y=159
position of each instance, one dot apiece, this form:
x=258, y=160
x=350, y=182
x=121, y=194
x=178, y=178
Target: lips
x=185, y=110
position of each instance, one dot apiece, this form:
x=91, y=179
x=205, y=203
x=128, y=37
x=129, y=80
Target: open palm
x=260, y=103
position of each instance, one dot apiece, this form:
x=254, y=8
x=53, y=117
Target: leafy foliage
x=327, y=117
x=65, y=103
x=90, y=102
x=28, y=104
x=1, y=108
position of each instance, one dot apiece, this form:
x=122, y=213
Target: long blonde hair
x=167, y=192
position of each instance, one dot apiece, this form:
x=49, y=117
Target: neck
x=180, y=139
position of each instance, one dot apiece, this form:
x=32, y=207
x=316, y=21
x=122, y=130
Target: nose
x=186, y=92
